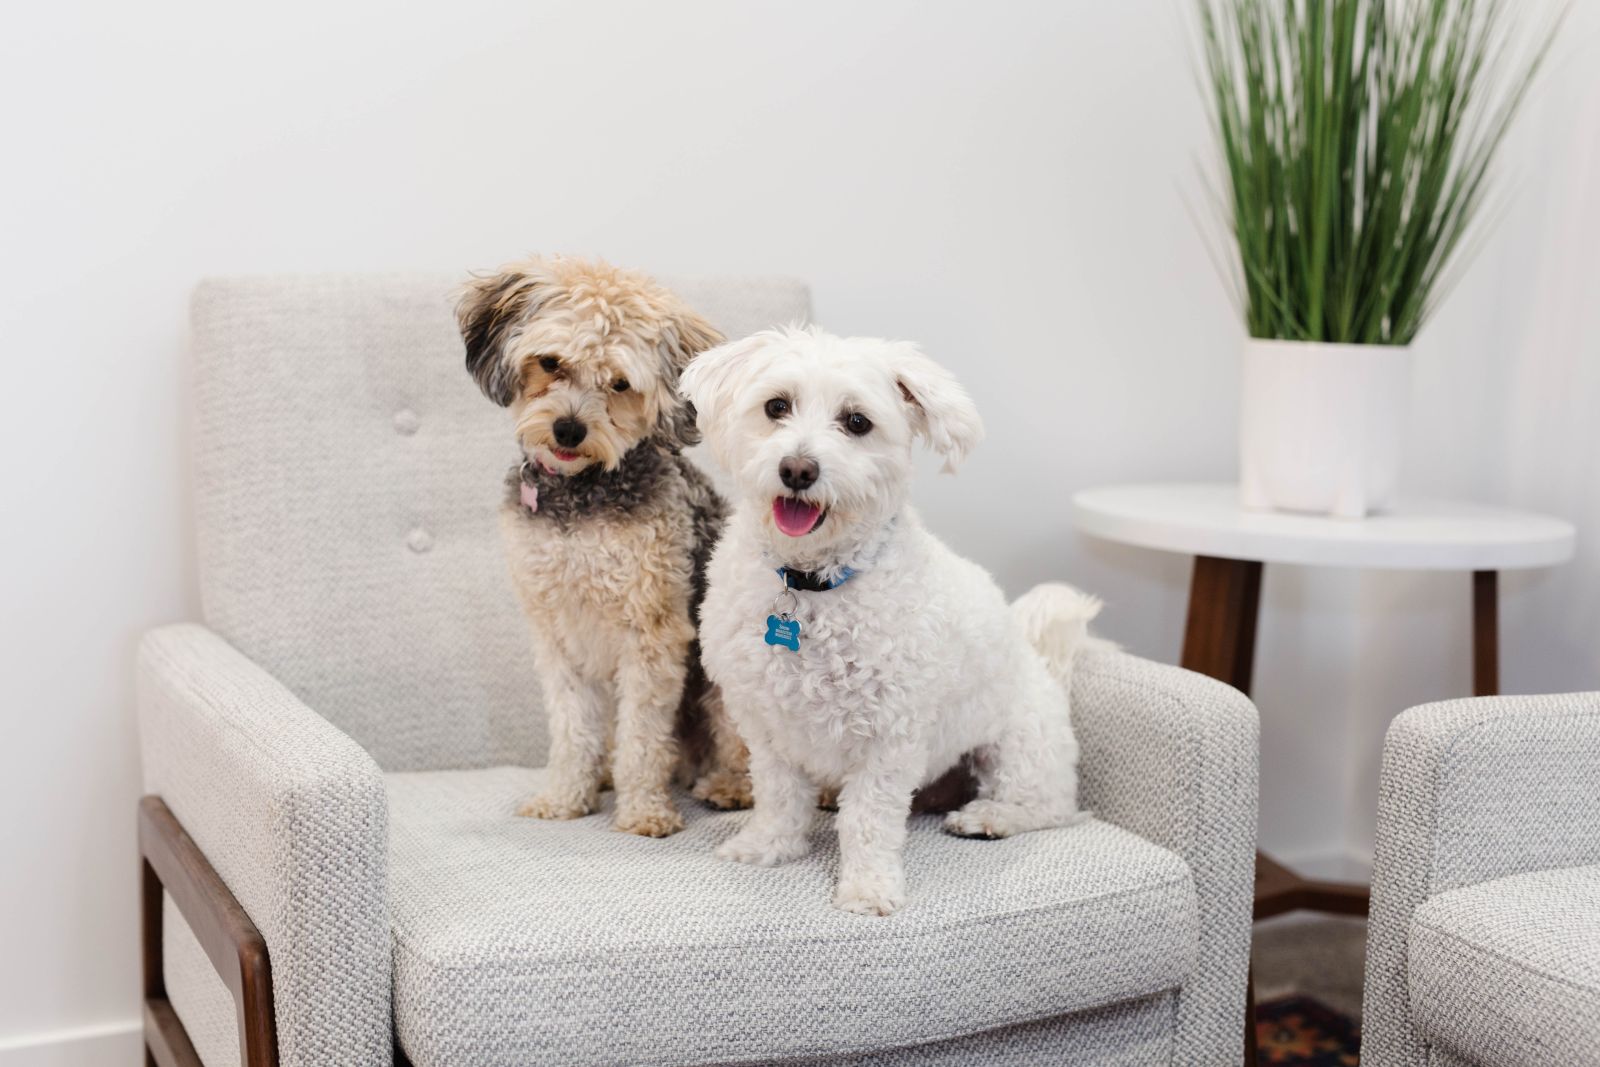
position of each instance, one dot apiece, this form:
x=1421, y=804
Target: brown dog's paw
x=724, y=790
x=547, y=806
x=649, y=820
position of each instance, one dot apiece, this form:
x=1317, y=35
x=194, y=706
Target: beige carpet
x=1318, y=956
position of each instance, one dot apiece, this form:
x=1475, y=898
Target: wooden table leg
x=1219, y=640
x=1485, y=633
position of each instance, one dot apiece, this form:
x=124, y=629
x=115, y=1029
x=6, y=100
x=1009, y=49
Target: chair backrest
x=347, y=479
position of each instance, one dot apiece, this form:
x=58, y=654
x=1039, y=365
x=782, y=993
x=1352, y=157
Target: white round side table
x=1230, y=546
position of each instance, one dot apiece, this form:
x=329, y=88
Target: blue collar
x=811, y=582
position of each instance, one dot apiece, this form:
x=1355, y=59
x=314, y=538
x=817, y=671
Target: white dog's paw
x=762, y=849
x=997, y=818
x=983, y=818
x=555, y=806
x=870, y=894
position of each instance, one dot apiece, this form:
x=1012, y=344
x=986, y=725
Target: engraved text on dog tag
x=785, y=632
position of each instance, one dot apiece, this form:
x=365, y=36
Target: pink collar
x=530, y=493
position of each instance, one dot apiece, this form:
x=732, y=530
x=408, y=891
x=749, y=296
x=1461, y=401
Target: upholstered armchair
x=1483, y=944
x=333, y=871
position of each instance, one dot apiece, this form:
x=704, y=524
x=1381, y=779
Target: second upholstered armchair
x=1484, y=939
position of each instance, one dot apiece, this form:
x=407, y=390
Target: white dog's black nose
x=569, y=432
x=797, y=473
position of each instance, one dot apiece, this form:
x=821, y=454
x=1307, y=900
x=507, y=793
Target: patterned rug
x=1300, y=1032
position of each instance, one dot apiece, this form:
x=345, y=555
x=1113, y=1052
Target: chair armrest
x=292, y=815
x=1171, y=755
x=1471, y=790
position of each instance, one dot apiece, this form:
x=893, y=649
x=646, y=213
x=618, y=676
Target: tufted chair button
x=419, y=540
x=406, y=422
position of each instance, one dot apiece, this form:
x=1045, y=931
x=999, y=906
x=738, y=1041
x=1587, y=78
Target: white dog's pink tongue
x=795, y=517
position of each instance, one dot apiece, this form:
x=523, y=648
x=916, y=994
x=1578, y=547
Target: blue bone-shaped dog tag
x=785, y=632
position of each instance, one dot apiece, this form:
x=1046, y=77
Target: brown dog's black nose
x=798, y=473
x=569, y=432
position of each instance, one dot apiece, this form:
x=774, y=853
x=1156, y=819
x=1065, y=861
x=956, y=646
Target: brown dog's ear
x=676, y=425
x=486, y=310
x=685, y=336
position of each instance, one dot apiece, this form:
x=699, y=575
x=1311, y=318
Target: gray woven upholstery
x=348, y=475
x=1134, y=1033
x=493, y=913
x=358, y=616
x=291, y=814
x=1485, y=808
x=1508, y=971
x=1172, y=756
x=203, y=1003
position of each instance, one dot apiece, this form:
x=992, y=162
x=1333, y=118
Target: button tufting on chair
x=406, y=422
x=412, y=916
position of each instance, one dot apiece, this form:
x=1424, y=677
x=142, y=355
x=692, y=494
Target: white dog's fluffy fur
x=912, y=663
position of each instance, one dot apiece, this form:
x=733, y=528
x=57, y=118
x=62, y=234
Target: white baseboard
x=1342, y=865
x=102, y=1045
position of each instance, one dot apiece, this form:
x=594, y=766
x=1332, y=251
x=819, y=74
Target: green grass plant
x=1357, y=138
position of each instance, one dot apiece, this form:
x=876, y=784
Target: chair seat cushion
x=521, y=942
x=1506, y=973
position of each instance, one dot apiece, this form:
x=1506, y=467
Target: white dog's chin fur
x=913, y=663
x=843, y=533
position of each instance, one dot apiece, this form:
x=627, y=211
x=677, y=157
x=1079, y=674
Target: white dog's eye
x=620, y=385
x=777, y=408
x=548, y=364
x=857, y=423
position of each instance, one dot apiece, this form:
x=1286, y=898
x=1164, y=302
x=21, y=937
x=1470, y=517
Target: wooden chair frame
x=171, y=864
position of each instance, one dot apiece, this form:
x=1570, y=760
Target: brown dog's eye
x=857, y=423
x=777, y=408
x=620, y=385
x=548, y=364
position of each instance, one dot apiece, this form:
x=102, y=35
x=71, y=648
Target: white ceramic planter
x=1320, y=426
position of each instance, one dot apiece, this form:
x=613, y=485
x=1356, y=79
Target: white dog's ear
x=941, y=411
x=712, y=379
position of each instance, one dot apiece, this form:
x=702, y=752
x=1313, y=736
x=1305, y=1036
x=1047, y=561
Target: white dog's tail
x=1055, y=619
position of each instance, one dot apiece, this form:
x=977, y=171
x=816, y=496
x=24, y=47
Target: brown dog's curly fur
x=607, y=528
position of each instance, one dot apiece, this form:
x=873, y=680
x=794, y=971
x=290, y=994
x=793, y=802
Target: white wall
x=1004, y=183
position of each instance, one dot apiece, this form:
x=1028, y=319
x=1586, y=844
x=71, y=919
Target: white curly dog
x=854, y=650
